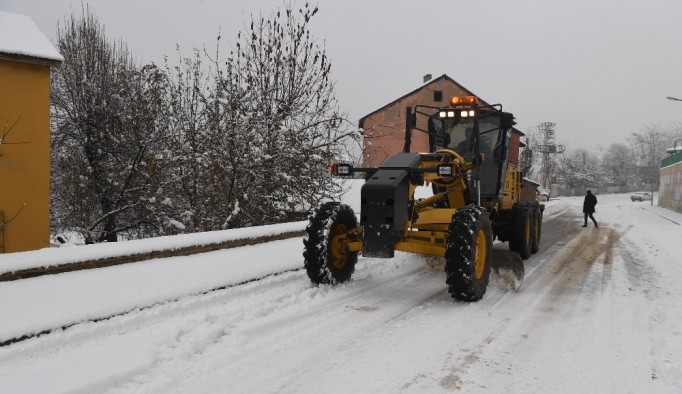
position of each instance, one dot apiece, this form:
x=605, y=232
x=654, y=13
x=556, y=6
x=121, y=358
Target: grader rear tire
x=325, y=259
x=468, y=254
x=521, y=236
x=537, y=229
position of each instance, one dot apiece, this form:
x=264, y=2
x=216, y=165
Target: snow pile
x=52, y=256
x=49, y=302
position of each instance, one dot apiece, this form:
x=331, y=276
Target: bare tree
x=209, y=141
x=618, y=164
x=288, y=113
x=578, y=168
x=188, y=143
x=199, y=146
x=104, y=133
x=529, y=158
x=648, y=146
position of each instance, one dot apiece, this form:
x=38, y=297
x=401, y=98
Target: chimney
x=427, y=78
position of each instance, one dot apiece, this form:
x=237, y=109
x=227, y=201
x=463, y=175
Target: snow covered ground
x=598, y=312
x=67, y=254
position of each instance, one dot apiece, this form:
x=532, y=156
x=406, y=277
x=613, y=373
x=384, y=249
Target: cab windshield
x=457, y=134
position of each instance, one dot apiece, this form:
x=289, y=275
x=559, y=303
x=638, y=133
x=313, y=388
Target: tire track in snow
x=28, y=336
x=247, y=315
x=562, y=287
x=330, y=324
x=643, y=278
x=567, y=272
x=551, y=213
x=452, y=381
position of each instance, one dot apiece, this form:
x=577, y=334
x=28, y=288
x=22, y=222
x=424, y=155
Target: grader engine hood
x=384, y=199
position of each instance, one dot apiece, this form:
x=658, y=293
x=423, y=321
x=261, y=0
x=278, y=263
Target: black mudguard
x=384, y=204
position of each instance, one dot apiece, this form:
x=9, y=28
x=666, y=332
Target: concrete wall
x=670, y=193
x=24, y=156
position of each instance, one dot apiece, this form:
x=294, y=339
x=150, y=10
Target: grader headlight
x=446, y=170
x=456, y=113
x=339, y=169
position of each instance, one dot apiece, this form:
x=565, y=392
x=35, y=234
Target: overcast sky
x=599, y=69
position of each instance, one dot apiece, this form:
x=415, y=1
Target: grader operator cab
x=476, y=198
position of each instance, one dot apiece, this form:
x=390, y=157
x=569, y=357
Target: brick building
x=384, y=129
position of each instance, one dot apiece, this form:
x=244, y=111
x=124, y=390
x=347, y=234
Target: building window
x=438, y=95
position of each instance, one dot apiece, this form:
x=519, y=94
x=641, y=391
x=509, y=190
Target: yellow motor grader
x=476, y=198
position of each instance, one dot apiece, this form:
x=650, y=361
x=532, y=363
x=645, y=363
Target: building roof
x=442, y=77
x=22, y=40
x=672, y=159
x=536, y=183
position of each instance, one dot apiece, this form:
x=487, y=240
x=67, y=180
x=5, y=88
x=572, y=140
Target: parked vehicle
x=640, y=196
x=543, y=194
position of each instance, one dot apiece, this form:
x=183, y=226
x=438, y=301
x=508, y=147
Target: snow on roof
x=19, y=35
x=531, y=181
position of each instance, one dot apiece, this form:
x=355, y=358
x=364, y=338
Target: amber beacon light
x=463, y=100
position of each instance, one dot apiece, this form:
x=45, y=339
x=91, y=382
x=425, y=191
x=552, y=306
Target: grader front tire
x=326, y=258
x=468, y=254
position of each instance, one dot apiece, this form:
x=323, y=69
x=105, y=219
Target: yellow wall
x=25, y=166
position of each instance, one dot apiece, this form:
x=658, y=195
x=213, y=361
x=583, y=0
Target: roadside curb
x=133, y=258
x=661, y=216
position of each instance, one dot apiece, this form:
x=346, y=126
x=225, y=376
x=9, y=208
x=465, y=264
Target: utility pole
x=548, y=148
x=653, y=170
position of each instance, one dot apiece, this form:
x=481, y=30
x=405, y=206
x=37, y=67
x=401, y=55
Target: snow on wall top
x=19, y=35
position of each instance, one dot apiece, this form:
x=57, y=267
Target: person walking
x=588, y=207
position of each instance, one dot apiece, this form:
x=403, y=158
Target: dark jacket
x=590, y=202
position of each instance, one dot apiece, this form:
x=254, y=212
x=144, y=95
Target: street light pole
x=652, y=166
x=653, y=169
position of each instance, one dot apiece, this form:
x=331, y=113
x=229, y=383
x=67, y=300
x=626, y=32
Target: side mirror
x=507, y=121
x=410, y=123
x=411, y=118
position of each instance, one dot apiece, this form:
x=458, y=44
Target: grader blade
x=508, y=266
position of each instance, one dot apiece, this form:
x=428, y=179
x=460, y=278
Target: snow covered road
x=598, y=312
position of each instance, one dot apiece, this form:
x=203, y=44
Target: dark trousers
x=591, y=217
